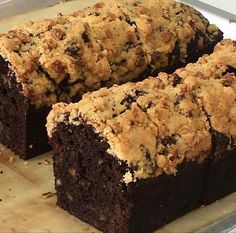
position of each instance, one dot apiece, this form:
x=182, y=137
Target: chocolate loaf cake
x=134, y=157
x=217, y=99
x=112, y=42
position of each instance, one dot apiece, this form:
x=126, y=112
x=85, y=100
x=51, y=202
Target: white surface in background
x=226, y=5
x=229, y=28
x=4, y=1
x=13, y=7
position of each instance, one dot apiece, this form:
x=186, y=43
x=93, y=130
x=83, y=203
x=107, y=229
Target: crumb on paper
x=25, y=163
x=0, y=199
x=47, y=195
x=11, y=159
x=45, y=162
x=1, y=172
x=63, y=1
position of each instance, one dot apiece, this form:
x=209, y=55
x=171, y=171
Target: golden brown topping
x=112, y=42
x=58, y=34
x=156, y=124
x=166, y=37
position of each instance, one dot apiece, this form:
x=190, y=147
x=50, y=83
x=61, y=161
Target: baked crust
x=110, y=43
x=160, y=122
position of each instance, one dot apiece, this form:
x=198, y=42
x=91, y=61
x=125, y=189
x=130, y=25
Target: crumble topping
x=112, y=42
x=160, y=122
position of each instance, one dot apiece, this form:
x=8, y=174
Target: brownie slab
x=22, y=124
x=212, y=80
x=158, y=148
x=89, y=185
x=112, y=42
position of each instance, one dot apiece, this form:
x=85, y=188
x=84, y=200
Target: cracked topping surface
x=145, y=125
x=109, y=43
x=215, y=86
x=158, y=123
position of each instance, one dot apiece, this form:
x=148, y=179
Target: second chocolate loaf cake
x=132, y=158
x=113, y=42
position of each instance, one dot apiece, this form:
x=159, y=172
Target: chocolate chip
x=178, y=99
x=66, y=116
x=85, y=37
x=123, y=62
x=179, y=12
x=73, y=51
x=139, y=93
x=229, y=69
x=128, y=100
x=146, y=152
x=151, y=162
x=168, y=140
x=176, y=80
x=129, y=21
x=131, y=98
x=129, y=45
x=172, y=158
x=190, y=114
x=77, y=118
x=134, y=166
x=95, y=13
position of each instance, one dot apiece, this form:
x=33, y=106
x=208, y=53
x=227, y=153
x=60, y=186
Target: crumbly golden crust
x=158, y=123
x=144, y=125
x=111, y=42
x=215, y=86
x=166, y=27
